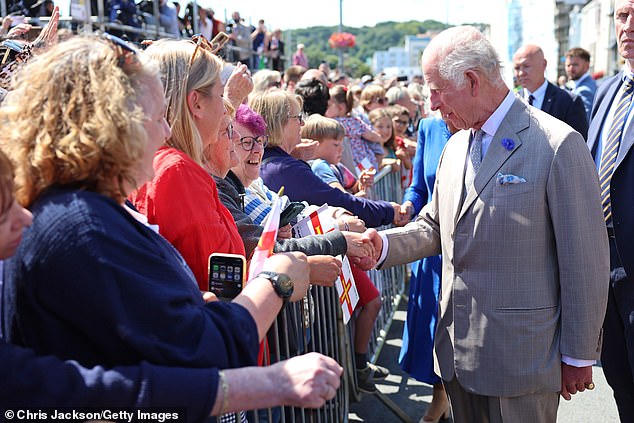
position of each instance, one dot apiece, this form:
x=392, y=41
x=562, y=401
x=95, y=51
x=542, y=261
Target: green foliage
x=369, y=39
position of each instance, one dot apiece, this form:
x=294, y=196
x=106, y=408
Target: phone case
x=227, y=274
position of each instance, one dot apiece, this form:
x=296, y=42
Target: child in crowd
x=328, y=167
x=405, y=147
x=360, y=134
x=330, y=134
x=382, y=122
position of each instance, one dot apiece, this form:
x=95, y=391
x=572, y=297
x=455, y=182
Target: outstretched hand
x=358, y=246
x=401, y=215
x=367, y=263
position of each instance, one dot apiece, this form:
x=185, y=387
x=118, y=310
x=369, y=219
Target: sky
x=291, y=14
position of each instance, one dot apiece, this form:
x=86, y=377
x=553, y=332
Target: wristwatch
x=282, y=284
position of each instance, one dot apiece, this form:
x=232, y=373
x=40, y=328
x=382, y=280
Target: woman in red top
x=182, y=198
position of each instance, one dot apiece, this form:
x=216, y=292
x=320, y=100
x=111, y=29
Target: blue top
x=325, y=172
x=34, y=382
x=301, y=184
x=432, y=137
x=91, y=283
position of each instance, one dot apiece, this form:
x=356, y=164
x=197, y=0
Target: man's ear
x=473, y=81
x=194, y=104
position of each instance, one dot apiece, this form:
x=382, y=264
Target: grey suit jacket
x=525, y=266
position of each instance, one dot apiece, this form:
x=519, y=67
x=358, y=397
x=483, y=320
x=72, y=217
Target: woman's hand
x=285, y=232
x=239, y=85
x=324, y=270
x=347, y=222
x=305, y=150
x=295, y=265
x=209, y=297
x=307, y=380
x=366, y=179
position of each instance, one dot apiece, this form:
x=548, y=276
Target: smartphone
x=227, y=274
x=402, y=78
x=218, y=42
x=290, y=212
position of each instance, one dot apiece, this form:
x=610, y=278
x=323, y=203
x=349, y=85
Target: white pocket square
x=509, y=179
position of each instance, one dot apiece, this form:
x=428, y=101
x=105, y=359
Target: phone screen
x=226, y=275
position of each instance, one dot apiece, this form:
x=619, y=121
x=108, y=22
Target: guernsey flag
x=320, y=222
x=365, y=164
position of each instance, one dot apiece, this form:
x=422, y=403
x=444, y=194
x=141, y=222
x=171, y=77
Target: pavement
x=413, y=397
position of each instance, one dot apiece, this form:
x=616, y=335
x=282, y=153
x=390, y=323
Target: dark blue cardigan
x=92, y=284
x=35, y=382
x=301, y=184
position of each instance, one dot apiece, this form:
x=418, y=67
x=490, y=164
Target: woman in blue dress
x=416, y=356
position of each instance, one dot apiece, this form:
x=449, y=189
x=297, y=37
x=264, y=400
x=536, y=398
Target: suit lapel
x=497, y=154
x=547, y=104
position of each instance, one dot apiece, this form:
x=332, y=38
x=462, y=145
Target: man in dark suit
x=529, y=65
x=611, y=141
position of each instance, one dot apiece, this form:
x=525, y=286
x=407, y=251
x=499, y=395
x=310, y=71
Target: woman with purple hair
x=249, y=201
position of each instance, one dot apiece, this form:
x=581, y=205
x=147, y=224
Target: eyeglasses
x=381, y=100
x=401, y=122
x=248, y=143
x=301, y=118
x=126, y=53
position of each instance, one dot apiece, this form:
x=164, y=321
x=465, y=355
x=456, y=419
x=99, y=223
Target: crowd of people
x=122, y=170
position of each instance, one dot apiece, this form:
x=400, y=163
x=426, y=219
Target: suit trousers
x=469, y=408
x=617, y=356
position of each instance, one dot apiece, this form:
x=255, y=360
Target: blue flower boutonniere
x=508, y=143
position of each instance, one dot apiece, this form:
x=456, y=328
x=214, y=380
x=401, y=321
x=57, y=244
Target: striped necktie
x=611, y=147
x=475, y=156
x=531, y=98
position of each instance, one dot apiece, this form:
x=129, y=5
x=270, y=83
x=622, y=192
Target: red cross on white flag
x=321, y=222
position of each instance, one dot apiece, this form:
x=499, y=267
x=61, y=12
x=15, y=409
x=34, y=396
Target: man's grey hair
x=463, y=48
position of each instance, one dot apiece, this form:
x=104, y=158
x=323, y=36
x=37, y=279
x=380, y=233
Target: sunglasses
x=381, y=100
x=126, y=53
x=301, y=118
x=248, y=143
x=401, y=122
x=230, y=131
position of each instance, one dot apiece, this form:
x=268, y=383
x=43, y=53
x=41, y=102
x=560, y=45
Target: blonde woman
x=182, y=198
x=91, y=281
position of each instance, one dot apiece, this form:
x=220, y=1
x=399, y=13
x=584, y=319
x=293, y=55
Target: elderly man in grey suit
x=516, y=214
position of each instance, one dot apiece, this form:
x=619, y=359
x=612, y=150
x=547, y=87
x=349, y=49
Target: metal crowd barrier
x=316, y=324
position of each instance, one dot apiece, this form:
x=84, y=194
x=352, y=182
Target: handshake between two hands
x=402, y=213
